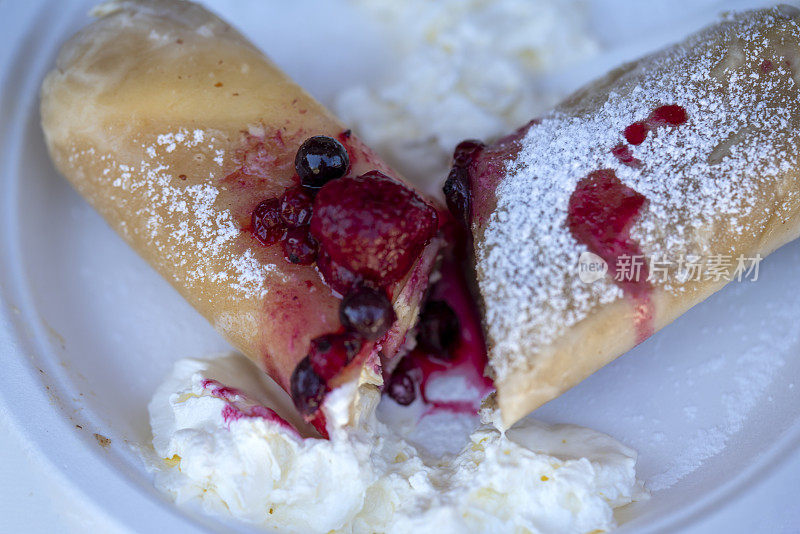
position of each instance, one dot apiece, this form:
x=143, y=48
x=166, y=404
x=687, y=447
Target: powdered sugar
x=184, y=222
x=754, y=370
x=707, y=181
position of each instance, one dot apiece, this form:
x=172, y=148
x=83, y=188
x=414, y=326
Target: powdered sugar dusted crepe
x=184, y=137
x=683, y=165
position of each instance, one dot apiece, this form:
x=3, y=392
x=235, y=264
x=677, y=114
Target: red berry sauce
x=329, y=354
x=668, y=115
x=636, y=133
x=417, y=372
x=602, y=211
x=236, y=408
x=625, y=156
x=366, y=231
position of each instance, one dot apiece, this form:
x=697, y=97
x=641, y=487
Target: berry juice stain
x=602, y=211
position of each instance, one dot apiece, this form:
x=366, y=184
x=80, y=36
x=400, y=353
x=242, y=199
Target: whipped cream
x=465, y=69
x=224, y=451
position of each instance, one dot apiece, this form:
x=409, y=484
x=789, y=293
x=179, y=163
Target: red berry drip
x=367, y=311
x=636, y=133
x=438, y=329
x=766, y=66
x=308, y=388
x=625, y=156
x=425, y=374
x=672, y=115
x=329, y=354
x=337, y=277
x=372, y=225
x=267, y=223
x=299, y=247
x=401, y=387
x=296, y=207
x=601, y=212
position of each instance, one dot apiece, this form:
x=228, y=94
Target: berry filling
x=330, y=353
x=600, y=215
x=375, y=231
x=465, y=151
x=438, y=329
x=602, y=209
x=457, y=186
x=401, y=386
x=367, y=311
x=298, y=246
x=260, y=155
x=668, y=115
x=372, y=225
x=296, y=207
x=363, y=233
x=636, y=133
x=625, y=156
x=601, y=212
x=477, y=169
x=450, y=342
x=308, y=388
x=266, y=220
x=319, y=160
x=337, y=277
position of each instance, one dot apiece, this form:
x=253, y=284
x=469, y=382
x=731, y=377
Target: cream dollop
x=464, y=69
x=226, y=452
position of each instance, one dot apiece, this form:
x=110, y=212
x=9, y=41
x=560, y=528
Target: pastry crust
x=727, y=182
x=174, y=127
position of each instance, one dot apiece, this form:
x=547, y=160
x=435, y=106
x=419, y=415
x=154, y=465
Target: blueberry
x=367, y=311
x=457, y=194
x=401, y=387
x=319, y=160
x=438, y=330
x=307, y=387
x=465, y=152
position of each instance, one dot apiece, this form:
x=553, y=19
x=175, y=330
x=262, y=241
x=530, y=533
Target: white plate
x=88, y=329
